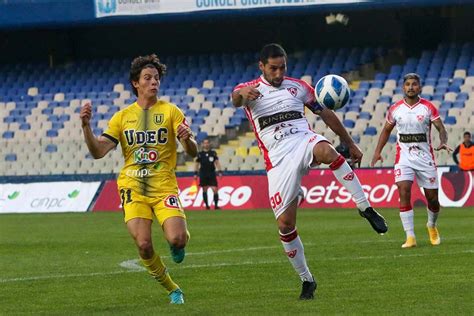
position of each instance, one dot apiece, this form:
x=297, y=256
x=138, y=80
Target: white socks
x=346, y=176
x=407, y=221
x=432, y=217
x=295, y=252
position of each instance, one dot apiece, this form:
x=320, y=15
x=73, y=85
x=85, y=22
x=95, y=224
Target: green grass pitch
x=69, y=264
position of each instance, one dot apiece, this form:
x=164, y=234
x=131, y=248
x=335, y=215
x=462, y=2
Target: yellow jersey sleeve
x=178, y=118
x=114, y=128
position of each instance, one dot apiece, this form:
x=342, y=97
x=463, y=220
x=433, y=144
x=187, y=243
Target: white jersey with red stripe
x=413, y=124
x=278, y=117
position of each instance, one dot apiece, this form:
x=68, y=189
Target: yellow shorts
x=139, y=206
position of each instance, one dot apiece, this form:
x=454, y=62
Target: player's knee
x=286, y=226
x=145, y=246
x=324, y=153
x=179, y=240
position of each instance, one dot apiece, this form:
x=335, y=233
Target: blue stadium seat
x=10, y=157
x=450, y=120
x=348, y=123
x=201, y=136
x=51, y=133
x=370, y=130
x=8, y=134
x=392, y=139
x=51, y=148
x=365, y=115
x=203, y=112
x=25, y=126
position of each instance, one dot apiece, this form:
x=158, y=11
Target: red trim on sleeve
x=249, y=83
x=434, y=111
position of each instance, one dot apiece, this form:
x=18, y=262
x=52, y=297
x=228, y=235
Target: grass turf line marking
x=215, y=265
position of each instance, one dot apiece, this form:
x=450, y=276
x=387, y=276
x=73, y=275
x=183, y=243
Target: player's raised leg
x=295, y=251
x=140, y=230
x=323, y=152
x=406, y=213
x=433, y=212
x=177, y=236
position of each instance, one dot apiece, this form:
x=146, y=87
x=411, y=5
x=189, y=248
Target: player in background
x=413, y=117
x=207, y=163
x=147, y=131
x=466, y=153
x=275, y=107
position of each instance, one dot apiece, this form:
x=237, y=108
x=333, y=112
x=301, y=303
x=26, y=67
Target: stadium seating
x=39, y=105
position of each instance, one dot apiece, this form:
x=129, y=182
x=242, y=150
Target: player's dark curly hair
x=412, y=75
x=141, y=62
x=271, y=51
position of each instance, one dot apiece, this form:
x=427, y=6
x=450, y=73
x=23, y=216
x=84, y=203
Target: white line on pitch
x=131, y=269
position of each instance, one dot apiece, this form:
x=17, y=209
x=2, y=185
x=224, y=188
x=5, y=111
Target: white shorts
x=284, y=180
x=427, y=178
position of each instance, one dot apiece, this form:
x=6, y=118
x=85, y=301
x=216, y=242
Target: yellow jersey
x=148, y=141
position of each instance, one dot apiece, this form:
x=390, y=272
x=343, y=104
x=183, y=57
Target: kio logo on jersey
x=143, y=155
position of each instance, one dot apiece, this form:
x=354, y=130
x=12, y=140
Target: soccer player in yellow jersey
x=147, y=131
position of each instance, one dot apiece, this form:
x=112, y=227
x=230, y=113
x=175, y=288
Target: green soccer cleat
x=176, y=297
x=177, y=254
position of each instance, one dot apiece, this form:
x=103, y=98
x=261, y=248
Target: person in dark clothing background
x=207, y=163
x=466, y=153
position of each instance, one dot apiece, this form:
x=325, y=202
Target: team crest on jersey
x=158, y=118
x=291, y=253
x=398, y=172
x=349, y=176
x=293, y=91
x=432, y=180
x=172, y=201
x=420, y=118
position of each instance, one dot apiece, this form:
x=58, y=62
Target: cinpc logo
x=143, y=155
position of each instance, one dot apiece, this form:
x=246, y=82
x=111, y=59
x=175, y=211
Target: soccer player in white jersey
x=275, y=106
x=413, y=117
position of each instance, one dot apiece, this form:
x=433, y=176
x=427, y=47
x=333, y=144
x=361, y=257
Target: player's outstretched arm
x=383, y=138
x=245, y=94
x=336, y=126
x=98, y=146
x=185, y=136
x=443, y=135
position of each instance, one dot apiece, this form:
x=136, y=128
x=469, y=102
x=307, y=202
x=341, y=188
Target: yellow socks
x=158, y=271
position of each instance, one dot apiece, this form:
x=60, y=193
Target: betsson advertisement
x=321, y=189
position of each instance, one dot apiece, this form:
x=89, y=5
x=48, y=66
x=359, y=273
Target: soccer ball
x=332, y=92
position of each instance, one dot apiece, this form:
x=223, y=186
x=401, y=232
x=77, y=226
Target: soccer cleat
x=177, y=254
x=307, y=290
x=434, y=235
x=217, y=208
x=375, y=219
x=410, y=242
x=176, y=297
